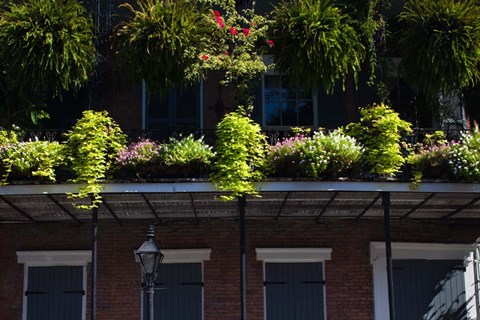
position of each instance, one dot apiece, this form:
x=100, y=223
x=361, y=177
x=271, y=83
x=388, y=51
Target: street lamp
x=150, y=257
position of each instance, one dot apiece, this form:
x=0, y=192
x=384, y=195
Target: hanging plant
x=91, y=148
x=440, y=44
x=240, y=155
x=46, y=45
x=164, y=41
x=315, y=43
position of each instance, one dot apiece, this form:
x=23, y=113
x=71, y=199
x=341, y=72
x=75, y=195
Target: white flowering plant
x=464, y=158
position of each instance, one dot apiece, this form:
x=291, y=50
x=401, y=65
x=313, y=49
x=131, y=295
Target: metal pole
x=150, y=301
x=93, y=312
x=388, y=249
x=243, y=292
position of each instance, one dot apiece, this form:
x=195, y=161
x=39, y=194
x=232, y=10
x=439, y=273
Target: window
x=430, y=281
x=176, y=110
x=284, y=107
x=294, y=286
x=179, y=286
x=55, y=284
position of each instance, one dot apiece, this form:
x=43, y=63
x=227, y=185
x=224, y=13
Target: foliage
x=46, y=45
x=380, y=131
x=138, y=153
x=315, y=43
x=284, y=157
x=430, y=159
x=465, y=157
x=342, y=151
x=240, y=39
x=440, y=44
x=240, y=155
x=91, y=147
x=185, y=151
x=38, y=158
x=164, y=41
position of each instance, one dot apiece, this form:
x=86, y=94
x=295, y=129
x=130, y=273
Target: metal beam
x=111, y=211
x=26, y=215
x=418, y=205
x=193, y=207
x=465, y=206
x=284, y=202
x=327, y=205
x=367, y=207
x=150, y=206
x=52, y=198
x=388, y=249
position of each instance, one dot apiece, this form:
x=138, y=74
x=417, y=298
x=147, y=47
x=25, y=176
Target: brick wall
x=349, y=291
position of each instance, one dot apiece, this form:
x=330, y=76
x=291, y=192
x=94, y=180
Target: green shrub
x=92, y=147
x=186, y=151
x=315, y=43
x=380, y=130
x=47, y=45
x=465, y=157
x=240, y=155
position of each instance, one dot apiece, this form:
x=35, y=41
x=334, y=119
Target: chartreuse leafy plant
x=165, y=39
x=464, y=157
x=92, y=147
x=440, y=44
x=46, y=45
x=315, y=43
x=240, y=155
x=380, y=130
x=33, y=159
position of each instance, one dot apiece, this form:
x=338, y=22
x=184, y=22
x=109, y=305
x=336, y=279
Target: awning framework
x=162, y=202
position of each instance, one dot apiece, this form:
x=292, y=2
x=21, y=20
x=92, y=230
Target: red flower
x=270, y=43
x=216, y=13
x=204, y=57
x=220, y=22
x=227, y=53
x=233, y=31
x=246, y=32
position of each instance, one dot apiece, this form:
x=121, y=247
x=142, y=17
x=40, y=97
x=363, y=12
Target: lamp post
x=150, y=257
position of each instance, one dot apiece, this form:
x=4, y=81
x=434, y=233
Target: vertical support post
x=243, y=292
x=150, y=301
x=93, y=288
x=388, y=249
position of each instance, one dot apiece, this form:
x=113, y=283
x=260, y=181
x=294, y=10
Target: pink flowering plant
x=139, y=159
x=430, y=158
x=284, y=157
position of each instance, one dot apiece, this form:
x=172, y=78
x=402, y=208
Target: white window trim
x=425, y=251
x=183, y=256
x=77, y=258
x=293, y=255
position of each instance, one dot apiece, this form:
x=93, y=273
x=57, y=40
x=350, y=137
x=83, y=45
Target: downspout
x=388, y=249
x=243, y=292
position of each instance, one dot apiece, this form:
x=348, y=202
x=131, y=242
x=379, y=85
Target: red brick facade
x=348, y=275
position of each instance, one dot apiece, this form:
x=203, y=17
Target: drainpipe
x=243, y=292
x=388, y=249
